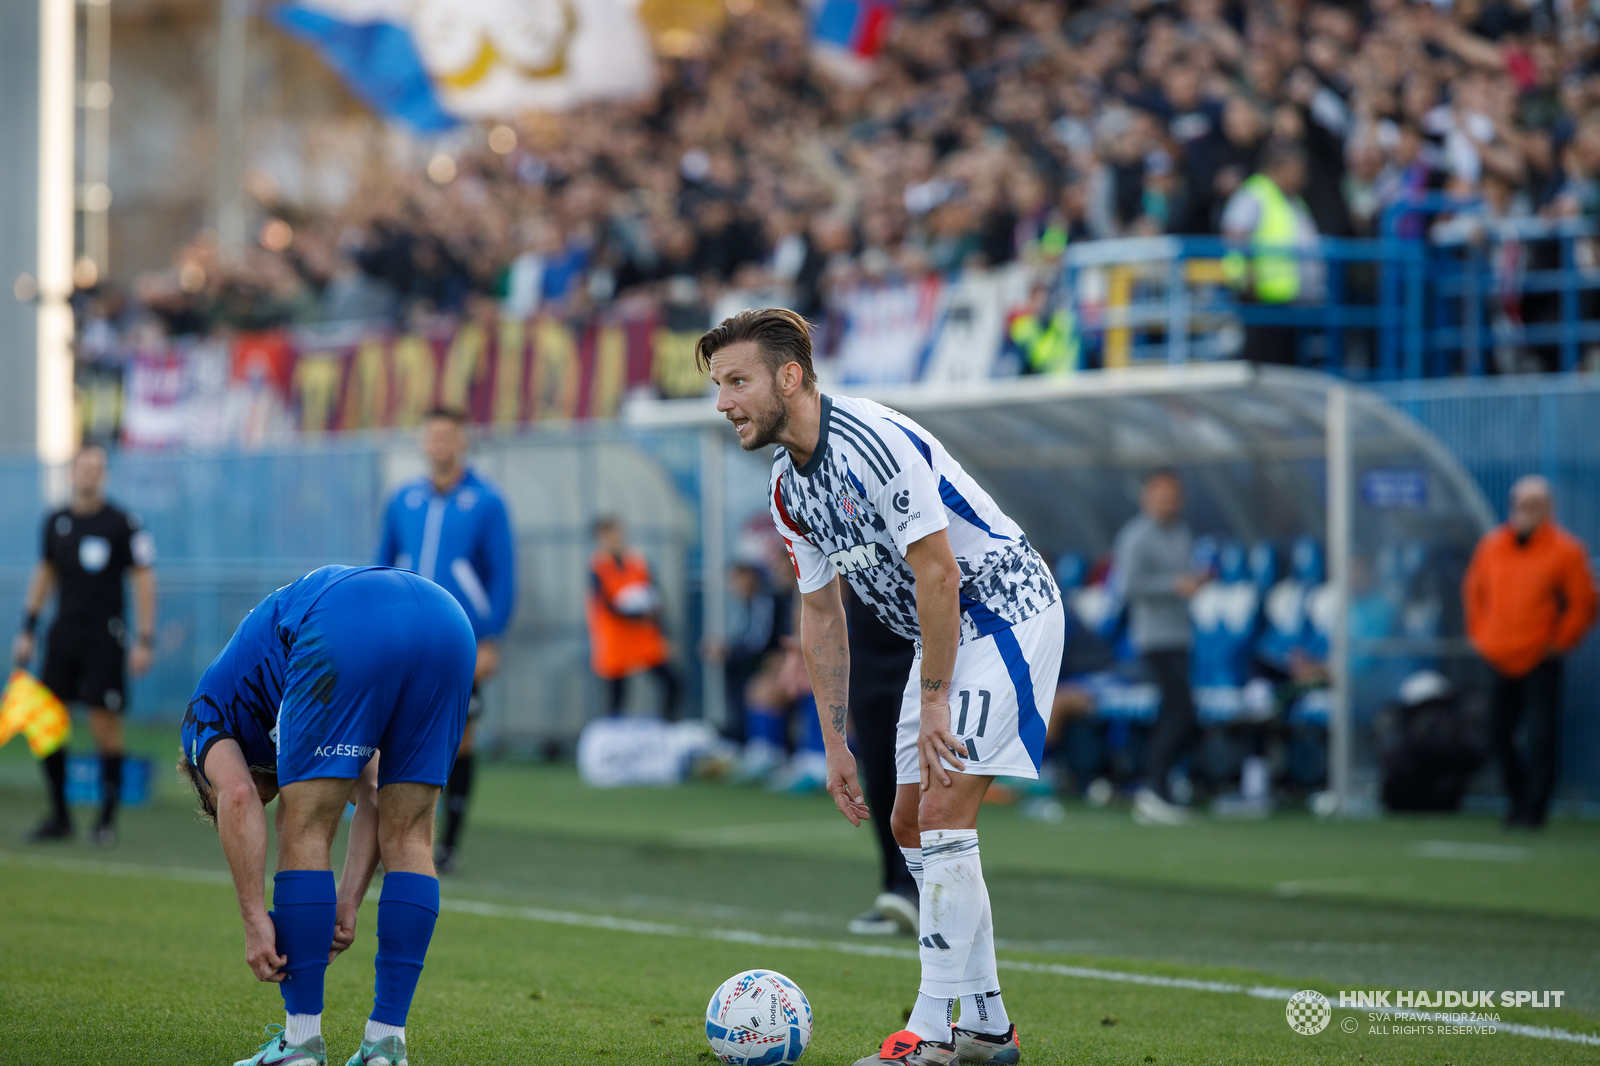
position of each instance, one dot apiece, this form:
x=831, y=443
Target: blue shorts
x=383, y=661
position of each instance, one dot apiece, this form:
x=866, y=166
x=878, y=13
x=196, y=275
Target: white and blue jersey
x=344, y=662
x=460, y=540
x=877, y=483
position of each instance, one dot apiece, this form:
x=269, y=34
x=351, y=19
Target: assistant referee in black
x=87, y=548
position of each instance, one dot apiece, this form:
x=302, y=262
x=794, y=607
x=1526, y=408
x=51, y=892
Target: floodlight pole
x=57, y=431
x=713, y=574
x=1339, y=511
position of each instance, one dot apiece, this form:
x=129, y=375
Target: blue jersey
x=339, y=664
x=240, y=692
x=461, y=540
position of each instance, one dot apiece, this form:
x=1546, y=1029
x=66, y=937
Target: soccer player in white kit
x=862, y=492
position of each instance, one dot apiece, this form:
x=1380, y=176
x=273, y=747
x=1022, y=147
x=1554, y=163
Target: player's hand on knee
x=261, y=950
x=845, y=787
x=344, y=932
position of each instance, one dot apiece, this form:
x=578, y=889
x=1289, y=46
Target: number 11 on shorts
x=983, y=718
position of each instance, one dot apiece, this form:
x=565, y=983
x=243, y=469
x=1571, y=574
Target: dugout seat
x=1226, y=613
x=1288, y=630
x=1120, y=693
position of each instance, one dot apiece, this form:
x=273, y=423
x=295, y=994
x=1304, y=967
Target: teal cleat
x=390, y=1051
x=279, y=1052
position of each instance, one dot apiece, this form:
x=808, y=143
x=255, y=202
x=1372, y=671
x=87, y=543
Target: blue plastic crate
x=83, y=780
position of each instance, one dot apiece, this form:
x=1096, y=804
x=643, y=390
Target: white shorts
x=1000, y=700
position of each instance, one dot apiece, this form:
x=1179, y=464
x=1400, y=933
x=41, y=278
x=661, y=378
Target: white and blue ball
x=758, y=1018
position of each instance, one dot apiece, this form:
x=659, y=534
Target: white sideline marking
x=1322, y=884
x=744, y=936
x=1455, y=849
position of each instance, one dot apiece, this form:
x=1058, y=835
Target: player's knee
x=906, y=826
x=940, y=808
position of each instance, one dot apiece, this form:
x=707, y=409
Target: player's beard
x=769, y=425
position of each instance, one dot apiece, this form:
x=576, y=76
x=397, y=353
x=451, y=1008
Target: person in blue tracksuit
x=452, y=527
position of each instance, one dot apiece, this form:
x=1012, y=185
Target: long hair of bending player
x=188, y=771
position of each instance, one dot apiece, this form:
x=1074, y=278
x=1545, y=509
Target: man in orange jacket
x=1529, y=599
x=624, y=611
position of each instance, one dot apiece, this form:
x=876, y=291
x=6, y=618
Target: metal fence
x=1500, y=429
x=1468, y=295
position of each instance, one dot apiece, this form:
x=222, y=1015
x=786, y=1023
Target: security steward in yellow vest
x=1047, y=341
x=1267, y=216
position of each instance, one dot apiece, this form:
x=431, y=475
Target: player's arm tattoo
x=933, y=684
x=827, y=655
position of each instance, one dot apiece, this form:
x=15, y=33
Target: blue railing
x=1445, y=290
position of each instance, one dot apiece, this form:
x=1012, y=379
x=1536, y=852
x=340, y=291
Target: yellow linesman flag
x=29, y=708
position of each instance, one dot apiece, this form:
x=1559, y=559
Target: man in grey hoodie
x=1154, y=571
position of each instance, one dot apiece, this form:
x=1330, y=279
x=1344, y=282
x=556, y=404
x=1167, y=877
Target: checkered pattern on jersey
x=844, y=500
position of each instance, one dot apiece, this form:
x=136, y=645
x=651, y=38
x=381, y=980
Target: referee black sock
x=110, y=787
x=456, y=791
x=55, y=776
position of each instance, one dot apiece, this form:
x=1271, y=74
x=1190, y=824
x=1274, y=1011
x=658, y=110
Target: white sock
x=930, y=1018
x=914, y=864
x=953, y=901
x=982, y=1009
x=378, y=1030
x=985, y=1012
x=298, y=1028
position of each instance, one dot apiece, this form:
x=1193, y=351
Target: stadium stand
x=991, y=136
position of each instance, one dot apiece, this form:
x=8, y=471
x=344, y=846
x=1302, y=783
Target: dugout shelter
x=1284, y=461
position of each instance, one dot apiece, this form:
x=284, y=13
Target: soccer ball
x=758, y=1018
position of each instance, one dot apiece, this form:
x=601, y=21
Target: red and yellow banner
x=497, y=371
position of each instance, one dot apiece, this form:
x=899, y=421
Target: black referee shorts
x=87, y=663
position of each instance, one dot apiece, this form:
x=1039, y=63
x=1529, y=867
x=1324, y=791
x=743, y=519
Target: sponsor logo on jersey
x=901, y=528
x=360, y=751
x=859, y=557
x=848, y=506
x=902, y=501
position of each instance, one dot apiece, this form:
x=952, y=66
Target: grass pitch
x=592, y=927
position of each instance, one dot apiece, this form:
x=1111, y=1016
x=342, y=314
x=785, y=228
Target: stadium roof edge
x=1132, y=381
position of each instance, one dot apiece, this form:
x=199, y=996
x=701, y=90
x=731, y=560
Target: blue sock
x=406, y=912
x=304, y=905
x=764, y=723
x=806, y=707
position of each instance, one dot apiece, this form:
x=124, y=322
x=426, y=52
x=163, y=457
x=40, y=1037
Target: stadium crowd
x=991, y=130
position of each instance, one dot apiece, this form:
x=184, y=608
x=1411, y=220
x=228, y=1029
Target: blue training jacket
x=461, y=541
